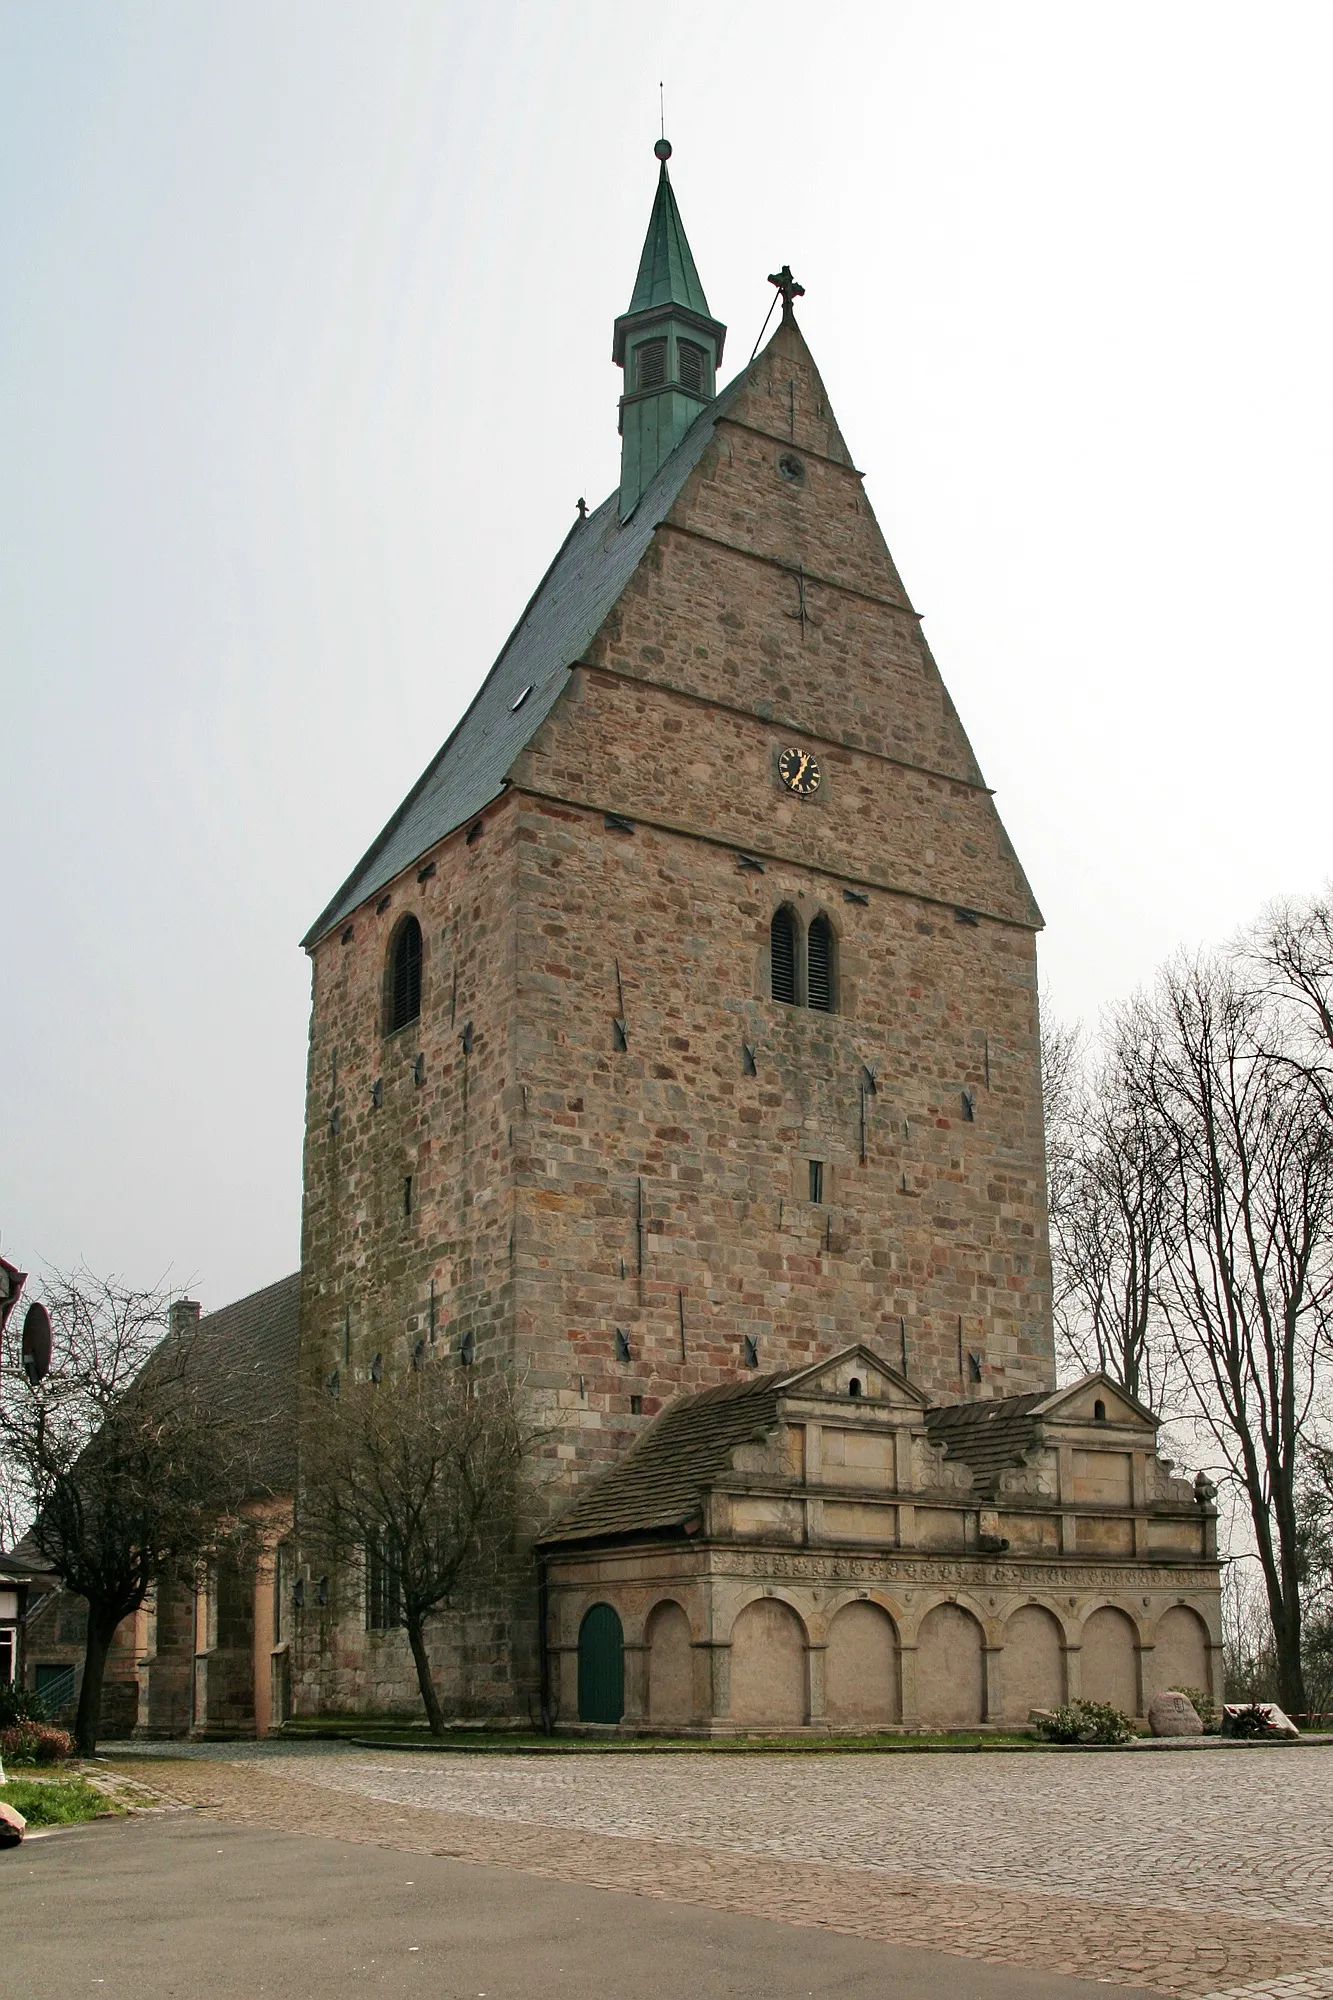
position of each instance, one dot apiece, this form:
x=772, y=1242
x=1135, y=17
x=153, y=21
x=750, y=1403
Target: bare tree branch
x=415, y=1480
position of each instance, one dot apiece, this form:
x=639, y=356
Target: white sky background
x=305, y=326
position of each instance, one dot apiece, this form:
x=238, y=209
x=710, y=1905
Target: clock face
x=799, y=772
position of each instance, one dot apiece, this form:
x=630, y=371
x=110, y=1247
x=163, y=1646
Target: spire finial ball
x=663, y=149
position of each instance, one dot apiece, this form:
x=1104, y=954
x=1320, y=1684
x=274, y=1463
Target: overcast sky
x=305, y=330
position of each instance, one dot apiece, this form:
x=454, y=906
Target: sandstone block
x=12, y=1825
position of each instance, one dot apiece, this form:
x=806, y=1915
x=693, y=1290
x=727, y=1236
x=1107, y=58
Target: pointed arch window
x=404, y=994
x=783, y=943
x=819, y=965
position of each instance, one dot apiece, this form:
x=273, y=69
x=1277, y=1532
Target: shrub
x=35, y=1743
x=19, y=1704
x=1085, y=1722
x=1204, y=1707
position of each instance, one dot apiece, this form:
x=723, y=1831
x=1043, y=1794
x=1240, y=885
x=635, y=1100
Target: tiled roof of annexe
x=659, y=1483
x=990, y=1437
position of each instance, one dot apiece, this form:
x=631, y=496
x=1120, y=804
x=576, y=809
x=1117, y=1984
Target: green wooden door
x=601, y=1666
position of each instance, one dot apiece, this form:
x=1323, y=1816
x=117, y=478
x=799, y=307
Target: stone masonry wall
x=368, y=1265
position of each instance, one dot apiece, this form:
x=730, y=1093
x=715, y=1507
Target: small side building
x=208, y=1656
x=827, y=1548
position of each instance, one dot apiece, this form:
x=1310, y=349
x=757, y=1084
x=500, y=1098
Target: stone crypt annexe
x=679, y=1033
x=826, y=1549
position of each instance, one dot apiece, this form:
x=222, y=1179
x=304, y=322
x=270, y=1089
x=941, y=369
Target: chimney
x=184, y=1317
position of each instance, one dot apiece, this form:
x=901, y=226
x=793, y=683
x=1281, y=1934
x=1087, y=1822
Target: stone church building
x=675, y=1049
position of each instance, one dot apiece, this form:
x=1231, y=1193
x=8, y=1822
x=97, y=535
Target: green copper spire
x=667, y=342
x=667, y=276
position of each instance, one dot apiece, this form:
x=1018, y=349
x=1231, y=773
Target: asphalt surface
x=186, y=1906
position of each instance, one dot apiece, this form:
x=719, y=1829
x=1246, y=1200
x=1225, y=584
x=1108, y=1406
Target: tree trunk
x=88, y=1722
x=1286, y=1621
x=425, y=1678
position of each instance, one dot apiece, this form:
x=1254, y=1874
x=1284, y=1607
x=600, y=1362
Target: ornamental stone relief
x=1046, y=1576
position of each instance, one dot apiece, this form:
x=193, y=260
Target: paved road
x=175, y=1908
x=1190, y=1873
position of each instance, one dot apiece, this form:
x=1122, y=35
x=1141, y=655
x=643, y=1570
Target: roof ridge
x=581, y=586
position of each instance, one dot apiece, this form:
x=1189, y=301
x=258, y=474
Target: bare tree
x=128, y=1468
x=416, y=1479
x=1106, y=1161
x=1291, y=949
x=1246, y=1287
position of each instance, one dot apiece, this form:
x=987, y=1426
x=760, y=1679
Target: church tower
x=678, y=1034
x=668, y=344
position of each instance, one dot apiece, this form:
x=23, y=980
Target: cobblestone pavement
x=1191, y=1875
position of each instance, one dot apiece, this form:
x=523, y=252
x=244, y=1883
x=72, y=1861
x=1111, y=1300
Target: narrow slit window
x=384, y=1586
x=691, y=366
x=405, y=975
x=782, y=947
x=650, y=359
x=819, y=963
x=816, y=1180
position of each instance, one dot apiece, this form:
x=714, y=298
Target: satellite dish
x=36, y=1342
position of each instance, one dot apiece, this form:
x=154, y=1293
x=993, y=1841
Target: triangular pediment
x=1096, y=1399
x=876, y=1382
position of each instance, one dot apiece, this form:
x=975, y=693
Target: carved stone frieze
x=1053, y=1575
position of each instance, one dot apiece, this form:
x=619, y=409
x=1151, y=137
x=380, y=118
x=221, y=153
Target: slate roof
x=988, y=1436
x=579, y=591
x=661, y=1480
x=245, y=1355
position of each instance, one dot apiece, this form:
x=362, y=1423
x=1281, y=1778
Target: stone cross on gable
x=788, y=287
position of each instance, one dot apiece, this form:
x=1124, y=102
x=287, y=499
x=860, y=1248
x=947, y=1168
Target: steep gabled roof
x=242, y=1359
x=579, y=591
x=661, y=1480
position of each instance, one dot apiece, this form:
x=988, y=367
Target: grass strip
x=56, y=1801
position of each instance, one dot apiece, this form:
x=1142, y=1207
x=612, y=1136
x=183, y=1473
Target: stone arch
x=1110, y=1665
x=1032, y=1667
x=601, y=1665
x=786, y=956
x=670, y=1664
x=768, y=1673
x=950, y=1672
x=821, y=964
x=861, y=1667
x=404, y=974
x=1181, y=1655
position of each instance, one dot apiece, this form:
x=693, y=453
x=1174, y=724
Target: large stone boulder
x=1173, y=1714
x=1256, y=1719
x=12, y=1825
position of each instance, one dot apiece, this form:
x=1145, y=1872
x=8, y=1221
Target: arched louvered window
x=404, y=975
x=691, y=367
x=782, y=948
x=819, y=965
x=650, y=358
